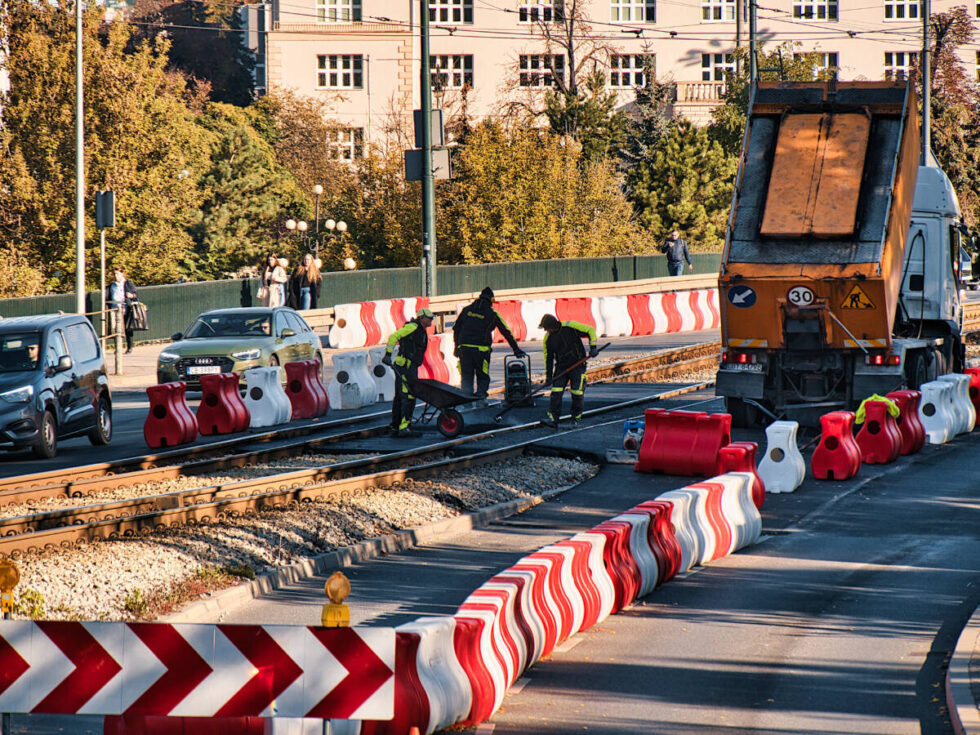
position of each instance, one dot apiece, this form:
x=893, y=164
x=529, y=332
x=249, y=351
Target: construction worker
x=412, y=340
x=473, y=334
x=562, y=349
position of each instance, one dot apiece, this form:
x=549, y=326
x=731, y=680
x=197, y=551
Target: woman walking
x=304, y=286
x=121, y=293
x=271, y=282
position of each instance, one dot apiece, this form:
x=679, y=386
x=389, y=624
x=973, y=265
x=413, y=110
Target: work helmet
x=549, y=322
x=424, y=312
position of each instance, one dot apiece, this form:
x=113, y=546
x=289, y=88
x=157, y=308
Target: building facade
x=362, y=56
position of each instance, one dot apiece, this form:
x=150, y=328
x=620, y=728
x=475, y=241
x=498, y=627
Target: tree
x=650, y=121
x=139, y=137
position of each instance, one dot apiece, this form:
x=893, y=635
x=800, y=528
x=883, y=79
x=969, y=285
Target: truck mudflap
x=738, y=383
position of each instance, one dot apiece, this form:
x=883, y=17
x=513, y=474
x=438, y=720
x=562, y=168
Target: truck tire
x=744, y=415
x=916, y=370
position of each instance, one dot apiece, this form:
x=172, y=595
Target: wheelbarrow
x=439, y=401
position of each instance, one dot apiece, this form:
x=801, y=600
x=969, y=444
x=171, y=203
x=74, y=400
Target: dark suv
x=53, y=383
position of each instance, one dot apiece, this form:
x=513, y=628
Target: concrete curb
x=963, y=708
x=210, y=609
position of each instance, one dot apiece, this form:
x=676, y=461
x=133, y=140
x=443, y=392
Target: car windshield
x=19, y=351
x=229, y=325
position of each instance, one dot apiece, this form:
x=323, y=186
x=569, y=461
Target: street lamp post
x=317, y=191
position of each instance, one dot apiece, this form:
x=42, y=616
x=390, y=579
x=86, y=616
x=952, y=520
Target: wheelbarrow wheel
x=450, y=423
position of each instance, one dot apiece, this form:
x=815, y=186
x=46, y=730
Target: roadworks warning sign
x=857, y=299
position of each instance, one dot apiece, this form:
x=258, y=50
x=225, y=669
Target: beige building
x=363, y=55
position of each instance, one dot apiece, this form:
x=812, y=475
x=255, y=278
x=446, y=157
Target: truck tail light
x=742, y=358
x=880, y=358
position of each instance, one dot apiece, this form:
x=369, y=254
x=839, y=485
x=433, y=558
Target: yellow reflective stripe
x=401, y=333
x=577, y=392
x=481, y=348
x=486, y=367
x=586, y=328
x=557, y=390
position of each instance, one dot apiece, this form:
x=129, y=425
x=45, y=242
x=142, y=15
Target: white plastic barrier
x=687, y=306
x=739, y=510
x=519, y=583
x=352, y=385
x=597, y=568
x=347, y=330
x=560, y=559
x=658, y=313
x=508, y=641
x=447, y=345
x=936, y=411
x=782, y=469
x=382, y=315
x=640, y=550
x=707, y=308
x=549, y=615
x=383, y=375
x=440, y=673
x=615, y=316
x=267, y=402
x=532, y=312
x=963, y=409
x=687, y=528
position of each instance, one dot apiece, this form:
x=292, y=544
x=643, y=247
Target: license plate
x=744, y=367
x=203, y=369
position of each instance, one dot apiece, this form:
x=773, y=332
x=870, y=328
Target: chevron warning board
x=197, y=670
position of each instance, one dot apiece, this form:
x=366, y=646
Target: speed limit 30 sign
x=801, y=296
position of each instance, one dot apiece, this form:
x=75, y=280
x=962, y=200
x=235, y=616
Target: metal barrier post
x=120, y=326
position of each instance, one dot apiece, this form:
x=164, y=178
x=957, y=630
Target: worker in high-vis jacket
x=562, y=349
x=473, y=334
x=412, y=340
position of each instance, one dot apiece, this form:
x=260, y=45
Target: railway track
x=71, y=527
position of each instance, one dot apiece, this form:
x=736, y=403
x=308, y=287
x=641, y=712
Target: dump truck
x=839, y=274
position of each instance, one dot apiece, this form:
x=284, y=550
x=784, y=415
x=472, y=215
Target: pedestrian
x=304, y=284
x=675, y=248
x=271, y=282
x=564, y=363
x=121, y=293
x=473, y=336
x=412, y=339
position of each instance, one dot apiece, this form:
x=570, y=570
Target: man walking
x=412, y=340
x=562, y=349
x=675, y=248
x=473, y=334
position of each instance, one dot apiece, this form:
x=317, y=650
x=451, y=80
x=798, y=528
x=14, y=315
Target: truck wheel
x=744, y=415
x=916, y=371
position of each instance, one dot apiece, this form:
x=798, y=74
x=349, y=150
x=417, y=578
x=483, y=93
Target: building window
x=720, y=10
x=819, y=10
x=451, y=72
x=898, y=64
x=346, y=144
x=901, y=9
x=978, y=66
x=541, y=70
x=340, y=71
x=451, y=11
x=715, y=66
x=627, y=71
x=338, y=11
x=635, y=11
x=541, y=11
x=825, y=61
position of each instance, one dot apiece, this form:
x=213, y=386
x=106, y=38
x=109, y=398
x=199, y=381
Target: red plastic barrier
x=579, y=310
x=411, y=701
x=693, y=298
x=153, y=725
x=584, y=584
x=222, y=410
x=433, y=363
x=740, y=457
x=619, y=562
x=682, y=442
x=879, y=438
x=565, y=612
x=169, y=421
x=371, y=327
x=663, y=542
x=524, y=608
x=638, y=306
x=542, y=595
x=306, y=392
x=720, y=528
x=500, y=603
x=674, y=319
x=837, y=456
x=466, y=642
x=713, y=308
x=513, y=316
x=974, y=374
x=910, y=426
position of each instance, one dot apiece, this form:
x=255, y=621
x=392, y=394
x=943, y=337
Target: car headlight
x=253, y=354
x=168, y=357
x=18, y=395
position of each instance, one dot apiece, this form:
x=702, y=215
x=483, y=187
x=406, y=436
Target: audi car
x=232, y=340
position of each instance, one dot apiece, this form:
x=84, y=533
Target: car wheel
x=318, y=359
x=101, y=433
x=273, y=360
x=47, y=440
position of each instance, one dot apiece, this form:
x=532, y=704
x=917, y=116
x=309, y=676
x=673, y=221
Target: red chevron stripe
x=365, y=673
x=185, y=669
x=12, y=665
x=94, y=667
x=276, y=671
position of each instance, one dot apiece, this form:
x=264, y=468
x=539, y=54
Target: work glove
x=386, y=360
x=455, y=351
x=593, y=351
x=521, y=354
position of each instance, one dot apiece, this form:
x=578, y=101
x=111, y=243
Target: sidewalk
x=963, y=679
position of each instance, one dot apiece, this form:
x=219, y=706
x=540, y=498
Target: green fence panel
x=172, y=307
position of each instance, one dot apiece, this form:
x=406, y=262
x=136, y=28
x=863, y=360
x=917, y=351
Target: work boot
x=551, y=421
x=407, y=433
x=576, y=420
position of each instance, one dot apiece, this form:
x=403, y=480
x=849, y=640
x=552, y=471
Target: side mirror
x=64, y=363
x=288, y=332
x=176, y=336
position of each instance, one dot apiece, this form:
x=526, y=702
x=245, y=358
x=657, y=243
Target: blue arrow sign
x=741, y=296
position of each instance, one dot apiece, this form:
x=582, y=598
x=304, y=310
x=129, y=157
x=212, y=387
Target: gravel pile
x=122, y=580
x=189, y=482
